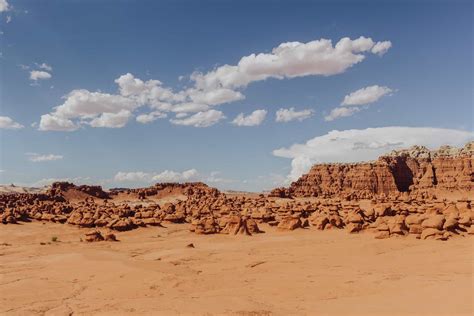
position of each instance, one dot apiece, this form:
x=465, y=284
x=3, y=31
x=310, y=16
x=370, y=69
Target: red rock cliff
x=412, y=170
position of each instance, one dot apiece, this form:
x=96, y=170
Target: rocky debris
x=205, y=226
x=240, y=225
x=62, y=188
x=281, y=192
x=93, y=236
x=208, y=211
x=211, y=212
x=290, y=223
x=110, y=237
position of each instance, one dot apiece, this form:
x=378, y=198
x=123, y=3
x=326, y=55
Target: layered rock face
x=414, y=171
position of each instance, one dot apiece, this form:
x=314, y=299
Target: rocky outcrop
x=390, y=197
x=72, y=191
x=413, y=170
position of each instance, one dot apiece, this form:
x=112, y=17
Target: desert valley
x=237, y=157
x=387, y=237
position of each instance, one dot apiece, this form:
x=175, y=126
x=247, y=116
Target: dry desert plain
x=305, y=272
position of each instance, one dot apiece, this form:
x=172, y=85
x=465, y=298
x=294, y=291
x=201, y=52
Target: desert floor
x=304, y=272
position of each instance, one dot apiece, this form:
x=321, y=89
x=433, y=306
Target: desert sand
x=306, y=272
x=394, y=237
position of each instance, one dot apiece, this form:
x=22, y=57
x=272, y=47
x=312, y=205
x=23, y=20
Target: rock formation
x=415, y=171
x=394, y=196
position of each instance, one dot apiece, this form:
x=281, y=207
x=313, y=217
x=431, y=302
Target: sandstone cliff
x=412, y=171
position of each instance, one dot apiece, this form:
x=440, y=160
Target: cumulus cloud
x=135, y=176
x=44, y=66
x=36, y=75
x=357, y=101
x=381, y=48
x=200, y=119
x=50, y=122
x=150, y=117
x=290, y=60
x=173, y=176
x=254, y=119
x=365, y=144
x=341, y=112
x=215, y=177
x=287, y=115
x=366, y=95
x=165, y=176
x=8, y=123
x=111, y=120
x=218, y=86
x=93, y=108
x=215, y=96
x=4, y=6
x=34, y=157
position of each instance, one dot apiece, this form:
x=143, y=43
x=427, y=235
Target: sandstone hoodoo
x=417, y=192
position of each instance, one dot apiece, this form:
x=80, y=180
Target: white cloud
x=381, y=48
x=44, y=66
x=215, y=96
x=341, y=112
x=41, y=158
x=190, y=107
x=214, y=177
x=181, y=114
x=365, y=144
x=4, y=6
x=85, y=104
x=51, y=122
x=8, y=123
x=173, y=176
x=93, y=108
x=357, y=101
x=165, y=176
x=200, y=119
x=136, y=176
x=111, y=120
x=39, y=75
x=287, y=115
x=9, y=19
x=289, y=60
x=216, y=87
x=366, y=95
x=150, y=117
x=254, y=119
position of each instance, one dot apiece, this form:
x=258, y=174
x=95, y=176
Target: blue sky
x=70, y=53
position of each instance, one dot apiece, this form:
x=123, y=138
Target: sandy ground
x=304, y=272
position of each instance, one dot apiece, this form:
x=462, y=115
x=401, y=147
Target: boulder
x=434, y=221
x=289, y=223
x=430, y=232
x=382, y=235
x=353, y=227
x=93, y=236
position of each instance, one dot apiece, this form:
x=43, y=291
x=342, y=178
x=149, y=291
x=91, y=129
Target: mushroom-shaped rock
x=434, y=221
x=289, y=223
x=430, y=232
x=93, y=236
